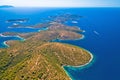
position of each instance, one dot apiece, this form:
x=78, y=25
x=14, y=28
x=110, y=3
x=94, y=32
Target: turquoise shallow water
x=7, y=38
x=102, y=38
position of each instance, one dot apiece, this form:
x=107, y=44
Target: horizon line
x=65, y=6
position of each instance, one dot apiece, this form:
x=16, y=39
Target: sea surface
x=102, y=37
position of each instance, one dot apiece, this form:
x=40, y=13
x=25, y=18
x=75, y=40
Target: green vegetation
x=55, y=31
x=39, y=59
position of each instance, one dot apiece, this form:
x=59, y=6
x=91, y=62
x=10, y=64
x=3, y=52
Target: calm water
x=102, y=37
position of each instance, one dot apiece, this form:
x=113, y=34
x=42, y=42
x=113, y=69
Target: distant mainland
x=6, y=6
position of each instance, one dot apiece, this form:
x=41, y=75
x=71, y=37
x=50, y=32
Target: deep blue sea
x=102, y=37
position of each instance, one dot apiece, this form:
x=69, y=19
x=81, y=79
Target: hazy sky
x=62, y=3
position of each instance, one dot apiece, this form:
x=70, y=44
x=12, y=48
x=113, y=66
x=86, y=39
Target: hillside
x=39, y=60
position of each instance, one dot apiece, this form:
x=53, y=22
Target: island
x=61, y=18
x=38, y=58
x=6, y=6
x=17, y=20
x=54, y=30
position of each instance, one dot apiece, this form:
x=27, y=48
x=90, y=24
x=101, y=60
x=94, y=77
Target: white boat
x=74, y=22
x=96, y=32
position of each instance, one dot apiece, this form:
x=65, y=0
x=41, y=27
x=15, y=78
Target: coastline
x=22, y=39
x=42, y=29
x=81, y=66
x=58, y=39
x=5, y=42
x=83, y=36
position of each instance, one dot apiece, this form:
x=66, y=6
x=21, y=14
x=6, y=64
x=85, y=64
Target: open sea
x=102, y=37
